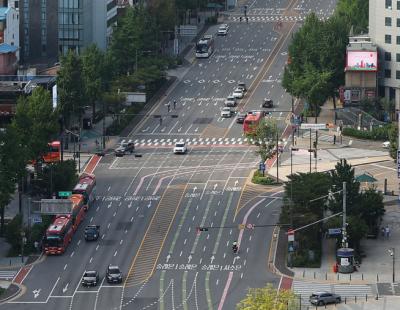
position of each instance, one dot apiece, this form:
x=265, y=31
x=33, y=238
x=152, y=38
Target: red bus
x=58, y=235
x=54, y=153
x=78, y=210
x=87, y=187
x=251, y=122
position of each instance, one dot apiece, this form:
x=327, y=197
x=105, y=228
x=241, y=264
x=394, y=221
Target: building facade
x=50, y=28
x=384, y=30
x=9, y=27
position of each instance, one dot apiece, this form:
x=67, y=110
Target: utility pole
x=277, y=158
x=310, y=150
x=344, y=228
x=104, y=126
x=292, y=118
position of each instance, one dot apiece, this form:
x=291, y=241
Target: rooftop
x=3, y=12
x=7, y=48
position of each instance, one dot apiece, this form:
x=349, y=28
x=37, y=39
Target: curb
x=2, y=301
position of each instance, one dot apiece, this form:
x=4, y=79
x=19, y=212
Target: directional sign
x=36, y=218
x=334, y=232
x=64, y=194
x=313, y=126
x=290, y=234
x=262, y=166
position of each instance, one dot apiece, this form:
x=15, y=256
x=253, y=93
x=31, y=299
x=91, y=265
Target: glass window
x=398, y=5
x=388, y=4
x=398, y=22
x=397, y=75
x=388, y=73
x=398, y=40
x=388, y=38
x=398, y=57
x=388, y=21
x=388, y=56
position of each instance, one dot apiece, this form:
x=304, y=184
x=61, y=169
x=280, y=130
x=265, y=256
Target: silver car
x=324, y=298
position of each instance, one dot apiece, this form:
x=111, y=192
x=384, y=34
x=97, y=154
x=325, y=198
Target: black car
x=90, y=278
x=92, y=232
x=267, y=103
x=240, y=117
x=125, y=147
x=113, y=274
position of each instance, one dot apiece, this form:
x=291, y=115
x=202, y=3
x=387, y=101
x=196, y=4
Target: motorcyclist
x=234, y=247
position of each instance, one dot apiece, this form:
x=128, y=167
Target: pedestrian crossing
x=269, y=18
x=350, y=292
x=8, y=274
x=194, y=142
x=321, y=136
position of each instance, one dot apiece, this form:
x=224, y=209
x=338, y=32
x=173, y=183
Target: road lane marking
x=161, y=292
x=202, y=223
x=208, y=292
x=224, y=294
x=180, y=225
x=184, y=297
x=227, y=208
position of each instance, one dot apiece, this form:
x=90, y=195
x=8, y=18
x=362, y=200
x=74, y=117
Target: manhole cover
x=203, y=120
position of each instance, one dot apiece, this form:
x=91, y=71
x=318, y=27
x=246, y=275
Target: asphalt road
x=149, y=207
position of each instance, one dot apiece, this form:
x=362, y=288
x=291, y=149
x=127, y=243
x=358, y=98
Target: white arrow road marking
x=234, y=260
x=236, y=182
x=197, y=129
x=149, y=205
x=212, y=259
x=36, y=293
x=168, y=257
x=194, y=189
x=65, y=288
x=215, y=186
x=147, y=129
x=189, y=259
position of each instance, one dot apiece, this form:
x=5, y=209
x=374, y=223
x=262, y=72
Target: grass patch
x=2, y=290
x=258, y=178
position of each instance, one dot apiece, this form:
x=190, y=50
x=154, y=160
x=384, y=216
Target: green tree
x=265, y=137
x=93, y=74
x=269, y=298
x=394, y=139
x=344, y=172
x=71, y=88
x=353, y=13
x=12, y=166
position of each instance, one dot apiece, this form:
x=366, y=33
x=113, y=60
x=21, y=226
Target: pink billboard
x=362, y=61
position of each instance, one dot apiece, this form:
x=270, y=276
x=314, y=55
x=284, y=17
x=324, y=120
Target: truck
x=92, y=232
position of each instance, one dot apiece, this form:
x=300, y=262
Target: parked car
x=113, y=274
x=386, y=144
x=242, y=86
x=223, y=30
x=90, y=278
x=125, y=147
x=240, y=117
x=180, y=148
x=238, y=93
x=226, y=112
x=230, y=101
x=324, y=298
x=267, y=103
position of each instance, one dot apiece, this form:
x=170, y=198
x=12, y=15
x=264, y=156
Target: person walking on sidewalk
x=387, y=232
x=174, y=104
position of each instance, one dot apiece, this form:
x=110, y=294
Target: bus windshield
x=52, y=241
x=201, y=48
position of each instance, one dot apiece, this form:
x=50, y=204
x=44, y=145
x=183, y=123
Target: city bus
x=251, y=122
x=54, y=153
x=86, y=186
x=205, y=47
x=58, y=235
x=78, y=210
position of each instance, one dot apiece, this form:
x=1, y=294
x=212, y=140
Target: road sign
x=250, y=226
x=36, y=218
x=334, y=232
x=290, y=234
x=398, y=164
x=261, y=166
x=241, y=226
x=313, y=126
x=64, y=194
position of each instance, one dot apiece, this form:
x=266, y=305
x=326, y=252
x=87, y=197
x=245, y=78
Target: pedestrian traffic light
x=202, y=229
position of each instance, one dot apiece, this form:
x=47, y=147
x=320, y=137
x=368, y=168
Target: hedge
x=377, y=133
x=259, y=179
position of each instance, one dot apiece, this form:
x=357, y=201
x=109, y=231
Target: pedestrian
x=160, y=120
x=334, y=139
x=387, y=231
x=174, y=104
x=168, y=106
x=383, y=232
x=240, y=18
x=247, y=20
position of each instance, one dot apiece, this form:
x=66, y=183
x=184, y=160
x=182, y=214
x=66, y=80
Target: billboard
x=362, y=61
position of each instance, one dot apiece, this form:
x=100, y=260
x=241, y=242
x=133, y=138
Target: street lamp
x=23, y=241
x=392, y=253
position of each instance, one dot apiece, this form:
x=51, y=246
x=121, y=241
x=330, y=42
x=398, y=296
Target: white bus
x=205, y=47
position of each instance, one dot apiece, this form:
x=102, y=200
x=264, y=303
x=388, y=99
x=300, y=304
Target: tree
x=344, y=172
x=394, y=139
x=71, y=88
x=268, y=298
x=11, y=167
x=353, y=13
x=35, y=123
x=265, y=137
x=93, y=73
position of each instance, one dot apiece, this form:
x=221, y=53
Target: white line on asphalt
x=109, y=188
x=115, y=254
x=180, y=254
x=91, y=219
x=102, y=237
x=65, y=267
x=121, y=241
x=79, y=242
x=132, y=219
x=72, y=254
x=90, y=260
x=97, y=209
x=109, y=224
x=97, y=247
x=115, y=213
x=173, y=127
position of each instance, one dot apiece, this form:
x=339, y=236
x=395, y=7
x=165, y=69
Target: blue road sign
x=262, y=167
x=334, y=232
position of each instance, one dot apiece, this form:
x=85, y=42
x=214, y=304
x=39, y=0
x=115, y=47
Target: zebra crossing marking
x=270, y=18
x=8, y=274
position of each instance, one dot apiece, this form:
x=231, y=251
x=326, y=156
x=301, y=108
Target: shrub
x=258, y=178
x=377, y=133
x=122, y=121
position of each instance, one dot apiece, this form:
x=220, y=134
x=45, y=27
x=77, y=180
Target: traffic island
x=8, y=291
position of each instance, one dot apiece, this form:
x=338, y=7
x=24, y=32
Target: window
x=388, y=21
x=398, y=22
x=388, y=56
x=398, y=57
x=388, y=38
x=397, y=75
x=398, y=40
x=388, y=73
x=398, y=5
x=388, y=4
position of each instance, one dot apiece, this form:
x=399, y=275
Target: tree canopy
x=264, y=135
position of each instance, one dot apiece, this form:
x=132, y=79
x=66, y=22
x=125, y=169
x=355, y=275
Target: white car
x=238, y=93
x=386, y=144
x=226, y=112
x=223, y=30
x=180, y=148
x=230, y=101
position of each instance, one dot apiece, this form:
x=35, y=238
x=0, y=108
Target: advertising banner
x=362, y=61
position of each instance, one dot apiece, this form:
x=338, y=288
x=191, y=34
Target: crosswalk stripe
x=8, y=274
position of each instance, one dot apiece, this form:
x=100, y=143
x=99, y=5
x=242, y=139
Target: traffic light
x=202, y=229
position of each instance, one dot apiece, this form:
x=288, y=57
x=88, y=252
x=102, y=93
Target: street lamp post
x=392, y=253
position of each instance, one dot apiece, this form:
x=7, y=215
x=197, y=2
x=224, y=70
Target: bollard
x=337, y=276
x=355, y=299
x=345, y=300
x=377, y=278
x=350, y=276
x=314, y=274
x=362, y=276
x=366, y=297
x=326, y=276
x=304, y=273
x=377, y=297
